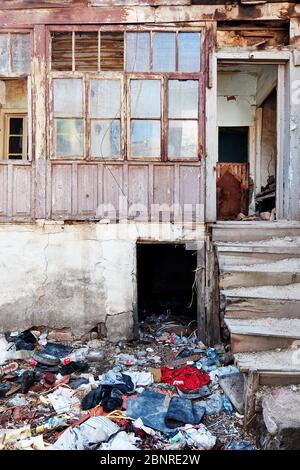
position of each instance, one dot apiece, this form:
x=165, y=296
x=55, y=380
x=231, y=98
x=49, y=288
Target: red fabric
x=186, y=378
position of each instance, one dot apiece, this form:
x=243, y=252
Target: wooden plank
x=231, y=280
x=87, y=183
x=212, y=296
x=138, y=184
x=112, y=190
x=251, y=386
x=254, y=343
x=3, y=189
x=61, y=190
x=189, y=195
x=78, y=14
x=163, y=192
x=21, y=189
x=256, y=308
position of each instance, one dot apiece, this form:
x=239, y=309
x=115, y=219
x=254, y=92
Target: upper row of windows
x=104, y=51
x=145, y=51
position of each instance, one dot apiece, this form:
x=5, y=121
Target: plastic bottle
x=227, y=405
x=79, y=355
x=52, y=423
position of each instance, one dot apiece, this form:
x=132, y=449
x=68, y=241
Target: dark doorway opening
x=166, y=281
x=233, y=144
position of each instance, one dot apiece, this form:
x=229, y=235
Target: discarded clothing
x=240, y=445
x=152, y=408
x=25, y=341
x=87, y=436
x=4, y=388
x=109, y=395
x=140, y=379
x=120, y=441
x=121, y=381
x=79, y=366
x=213, y=405
x=77, y=382
x=201, y=393
x=185, y=378
x=182, y=411
x=57, y=350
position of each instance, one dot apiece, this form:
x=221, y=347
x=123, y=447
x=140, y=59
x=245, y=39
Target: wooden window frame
x=9, y=33
x=127, y=76
x=6, y=118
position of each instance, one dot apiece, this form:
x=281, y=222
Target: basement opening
x=166, y=282
x=247, y=132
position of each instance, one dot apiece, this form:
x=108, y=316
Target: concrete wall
x=60, y=275
x=236, y=99
x=268, y=139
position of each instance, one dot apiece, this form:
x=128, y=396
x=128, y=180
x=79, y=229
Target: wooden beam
x=78, y=14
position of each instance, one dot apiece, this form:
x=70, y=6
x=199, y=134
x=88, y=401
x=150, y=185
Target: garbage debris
x=161, y=392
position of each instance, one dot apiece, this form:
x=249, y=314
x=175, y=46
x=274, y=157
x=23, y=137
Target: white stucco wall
x=74, y=275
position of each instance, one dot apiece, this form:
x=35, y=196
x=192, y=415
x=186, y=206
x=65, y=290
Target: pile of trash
x=160, y=392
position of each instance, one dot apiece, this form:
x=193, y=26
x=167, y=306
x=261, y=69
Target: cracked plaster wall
x=75, y=275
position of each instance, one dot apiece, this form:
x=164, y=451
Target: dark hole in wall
x=233, y=144
x=166, y=275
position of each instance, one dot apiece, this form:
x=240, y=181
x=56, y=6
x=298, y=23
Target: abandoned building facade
x=140, y=141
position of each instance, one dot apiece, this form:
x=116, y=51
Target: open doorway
x=166, y=283
x=247, y=141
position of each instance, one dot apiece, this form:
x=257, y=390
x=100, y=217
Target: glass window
x=164, y=52
x=69, y=137
x=145, y=98
x=183, y=139
x=145, y=138
x=68, y=112
x=105, y=98
x=183, y=119
x=105, y=113
x=189, y=52
x=16, y=135
x=68, y=97
x=138, y=52
x=105, y=138
x=183, y=99
x=4, y=62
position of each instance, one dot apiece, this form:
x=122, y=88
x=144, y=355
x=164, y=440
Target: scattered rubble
x=160, y=392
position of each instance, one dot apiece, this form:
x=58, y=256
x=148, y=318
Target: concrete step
x=279, y=367
x=278, y=273
x=263, y=301
x=263, y=334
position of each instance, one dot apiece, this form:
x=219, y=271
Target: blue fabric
x=160, y=412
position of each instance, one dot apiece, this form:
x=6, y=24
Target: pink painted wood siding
x=92, y=191
x=16, y=191
x=82, y=191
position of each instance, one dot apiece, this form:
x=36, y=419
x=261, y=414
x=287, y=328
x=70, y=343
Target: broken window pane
x=145, y=98
x=138, y=52
x=189, y=52
x=183, y=139
x=68, y=96
x=105, y=138
x=4, y=63
x=183, y=99
x=112, y=51
x=145, y=138
x=21, y=53
x=16, y=126
x=105, y=98
x=86, y=51
x=69, y=137
x=164, y=55
x=61, y=51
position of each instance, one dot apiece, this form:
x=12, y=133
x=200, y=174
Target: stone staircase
x=260, y=281
x=260, y=286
